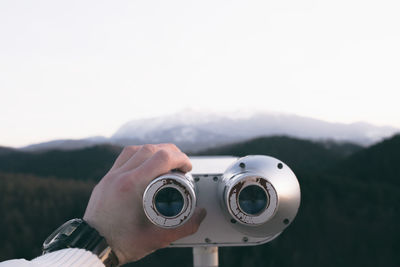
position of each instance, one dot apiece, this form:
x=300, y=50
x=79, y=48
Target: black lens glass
x=253, y=199
x=169, y=202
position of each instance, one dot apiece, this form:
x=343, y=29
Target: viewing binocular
x=248, y=200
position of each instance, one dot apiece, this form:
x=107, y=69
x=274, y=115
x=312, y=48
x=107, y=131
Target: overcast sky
x=72, y=69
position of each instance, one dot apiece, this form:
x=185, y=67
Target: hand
x=115, y=207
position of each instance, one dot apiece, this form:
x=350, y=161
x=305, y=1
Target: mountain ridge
x=195, y=131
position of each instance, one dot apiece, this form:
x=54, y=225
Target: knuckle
x=169, y=146
x=148, y=148
x=128, y=149
x=164, y=155
x=172, y=146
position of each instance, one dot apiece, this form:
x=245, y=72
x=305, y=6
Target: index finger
x=125, y=155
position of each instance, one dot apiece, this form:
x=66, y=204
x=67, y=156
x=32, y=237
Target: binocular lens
x=253, y=200
x=169, y=202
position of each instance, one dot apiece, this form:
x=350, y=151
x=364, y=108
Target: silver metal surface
x=230, y=189
x=211, y=164
x=216, y=229
x=214, y=179
x=181, y=182
x=283, y=189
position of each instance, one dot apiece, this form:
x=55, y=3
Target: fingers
x=145, y=152
x=190, y=227
x=160, y=163
x=125, y=155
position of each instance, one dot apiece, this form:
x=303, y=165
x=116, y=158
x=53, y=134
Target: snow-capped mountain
x=191, y=127
x=196, y=130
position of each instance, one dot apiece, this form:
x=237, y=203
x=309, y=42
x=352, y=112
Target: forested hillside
x=82, y=164
x=380, y=162
x=31, y=207
x=348, y=216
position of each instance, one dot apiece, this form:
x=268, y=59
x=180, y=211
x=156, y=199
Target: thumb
x=191, y=226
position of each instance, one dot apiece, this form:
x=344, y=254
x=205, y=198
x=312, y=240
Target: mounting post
x=205, y=257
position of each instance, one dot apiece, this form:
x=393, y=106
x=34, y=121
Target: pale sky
x=72, y=69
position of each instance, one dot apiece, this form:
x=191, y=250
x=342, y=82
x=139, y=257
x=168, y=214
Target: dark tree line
x=31, y=208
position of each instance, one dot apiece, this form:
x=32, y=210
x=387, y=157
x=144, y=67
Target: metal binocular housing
x=249, y=200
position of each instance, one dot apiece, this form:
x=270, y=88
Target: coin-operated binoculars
x=249, y=201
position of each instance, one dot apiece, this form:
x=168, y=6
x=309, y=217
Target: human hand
x=115, y=207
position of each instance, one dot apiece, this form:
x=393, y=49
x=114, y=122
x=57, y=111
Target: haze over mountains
x=196, y=130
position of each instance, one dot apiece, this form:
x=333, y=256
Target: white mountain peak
x=187, y=125
x=195, y=129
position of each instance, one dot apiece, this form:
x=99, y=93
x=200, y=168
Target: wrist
x=77, y=233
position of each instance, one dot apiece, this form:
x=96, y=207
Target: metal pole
x=205, y=257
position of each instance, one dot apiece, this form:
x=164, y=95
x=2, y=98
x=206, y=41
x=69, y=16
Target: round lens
x=169, y=202
x=253, y=199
